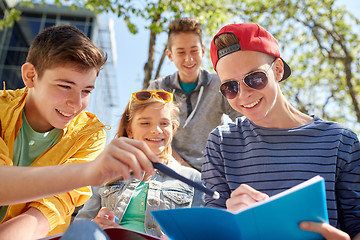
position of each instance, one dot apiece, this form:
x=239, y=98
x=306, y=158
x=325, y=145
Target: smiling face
x=152, y=125
x=260, y=106
x=58, y=96
x=186, y=52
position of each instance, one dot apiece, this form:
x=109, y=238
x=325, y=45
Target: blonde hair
x=137, y=107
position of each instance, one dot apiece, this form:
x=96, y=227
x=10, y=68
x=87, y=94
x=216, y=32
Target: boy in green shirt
x=43, y=125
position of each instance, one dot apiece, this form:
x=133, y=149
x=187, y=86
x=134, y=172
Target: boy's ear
x=28, y=74
x=203, y=50
x=169, y=54
x=279, y=69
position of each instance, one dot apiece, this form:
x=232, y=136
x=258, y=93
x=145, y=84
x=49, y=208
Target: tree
x=319, y=40
x=157, y=13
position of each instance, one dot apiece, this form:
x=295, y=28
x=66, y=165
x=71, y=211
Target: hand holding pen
x=106, y=218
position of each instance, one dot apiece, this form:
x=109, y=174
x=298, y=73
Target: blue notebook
x=275, y=218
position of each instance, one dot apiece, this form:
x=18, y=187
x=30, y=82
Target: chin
x=61, y=126
x=157, y=151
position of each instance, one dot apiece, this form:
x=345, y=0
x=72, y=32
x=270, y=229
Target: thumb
x=106, y=213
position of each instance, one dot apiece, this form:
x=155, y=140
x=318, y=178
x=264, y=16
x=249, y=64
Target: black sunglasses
x=255, y=80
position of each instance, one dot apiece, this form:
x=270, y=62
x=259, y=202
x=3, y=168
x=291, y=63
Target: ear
x=28, y=73
x=279, y=69
x=203, y=50
x=128, y=132
x=169, y=54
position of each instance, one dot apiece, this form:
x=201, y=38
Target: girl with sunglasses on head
x=151, y=117
x=275, y=146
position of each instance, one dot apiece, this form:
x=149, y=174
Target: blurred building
x=15, y=42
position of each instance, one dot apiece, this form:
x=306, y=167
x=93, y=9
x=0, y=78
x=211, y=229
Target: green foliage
x=319, y=39
x=9, y=18
x=316, y=37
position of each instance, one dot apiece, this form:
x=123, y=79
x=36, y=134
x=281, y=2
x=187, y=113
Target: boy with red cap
x=275, y=146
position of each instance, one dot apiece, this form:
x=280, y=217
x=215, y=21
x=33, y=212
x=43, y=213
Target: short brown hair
x=186, y=25
x=224, y=40
x=136, y=107
x=62, y=45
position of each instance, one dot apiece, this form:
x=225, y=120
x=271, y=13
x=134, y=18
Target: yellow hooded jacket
x=83, y=140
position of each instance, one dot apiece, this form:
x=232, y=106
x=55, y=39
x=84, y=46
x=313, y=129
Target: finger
x=137, y=155
x=253, y=193
x=145, y=155
x=113, y=167
x=102, y=221
x=236, y=203
x=108, y=225
x=144, y=147
x=325, y=229
x=106, y=213
x=128, y=155
x=164, y=237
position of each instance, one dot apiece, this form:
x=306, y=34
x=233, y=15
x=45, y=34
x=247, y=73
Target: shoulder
x=162, y=82
x=332, y=129
x=86, y=122
x=11, y=96
x=240, y=125
x=188, y=172
x=211, y=79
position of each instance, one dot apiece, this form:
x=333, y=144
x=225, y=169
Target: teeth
x=252, y=104
x=153, y=139
x=65, y=114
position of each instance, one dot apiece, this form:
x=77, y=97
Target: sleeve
x=91, y=207
x=4, y=154
x=59, y=208
x=212, y=174
x=348, y=185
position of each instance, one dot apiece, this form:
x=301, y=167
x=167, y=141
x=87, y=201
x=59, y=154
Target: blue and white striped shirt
x=273, y=160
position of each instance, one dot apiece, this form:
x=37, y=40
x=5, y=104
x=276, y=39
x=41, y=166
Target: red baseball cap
x=252, y=37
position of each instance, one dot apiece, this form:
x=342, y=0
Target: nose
x=244, y=91
x=156, y=129
x=75, y=101
x=189, y=57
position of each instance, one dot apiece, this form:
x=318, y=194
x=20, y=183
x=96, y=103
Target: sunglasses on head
x=255, y=80
x=143, y=96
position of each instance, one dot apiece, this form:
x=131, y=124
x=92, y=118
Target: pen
x=168, y=171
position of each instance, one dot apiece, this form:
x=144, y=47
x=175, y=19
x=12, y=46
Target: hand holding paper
x=276, y=218
x=325, y=229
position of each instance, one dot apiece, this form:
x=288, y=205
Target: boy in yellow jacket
x=44, y=124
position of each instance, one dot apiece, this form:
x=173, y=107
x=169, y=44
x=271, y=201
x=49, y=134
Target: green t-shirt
x=29, y=145
x=134, y=216
x=188, y=87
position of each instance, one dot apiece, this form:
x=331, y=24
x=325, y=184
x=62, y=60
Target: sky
x=132, y=53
